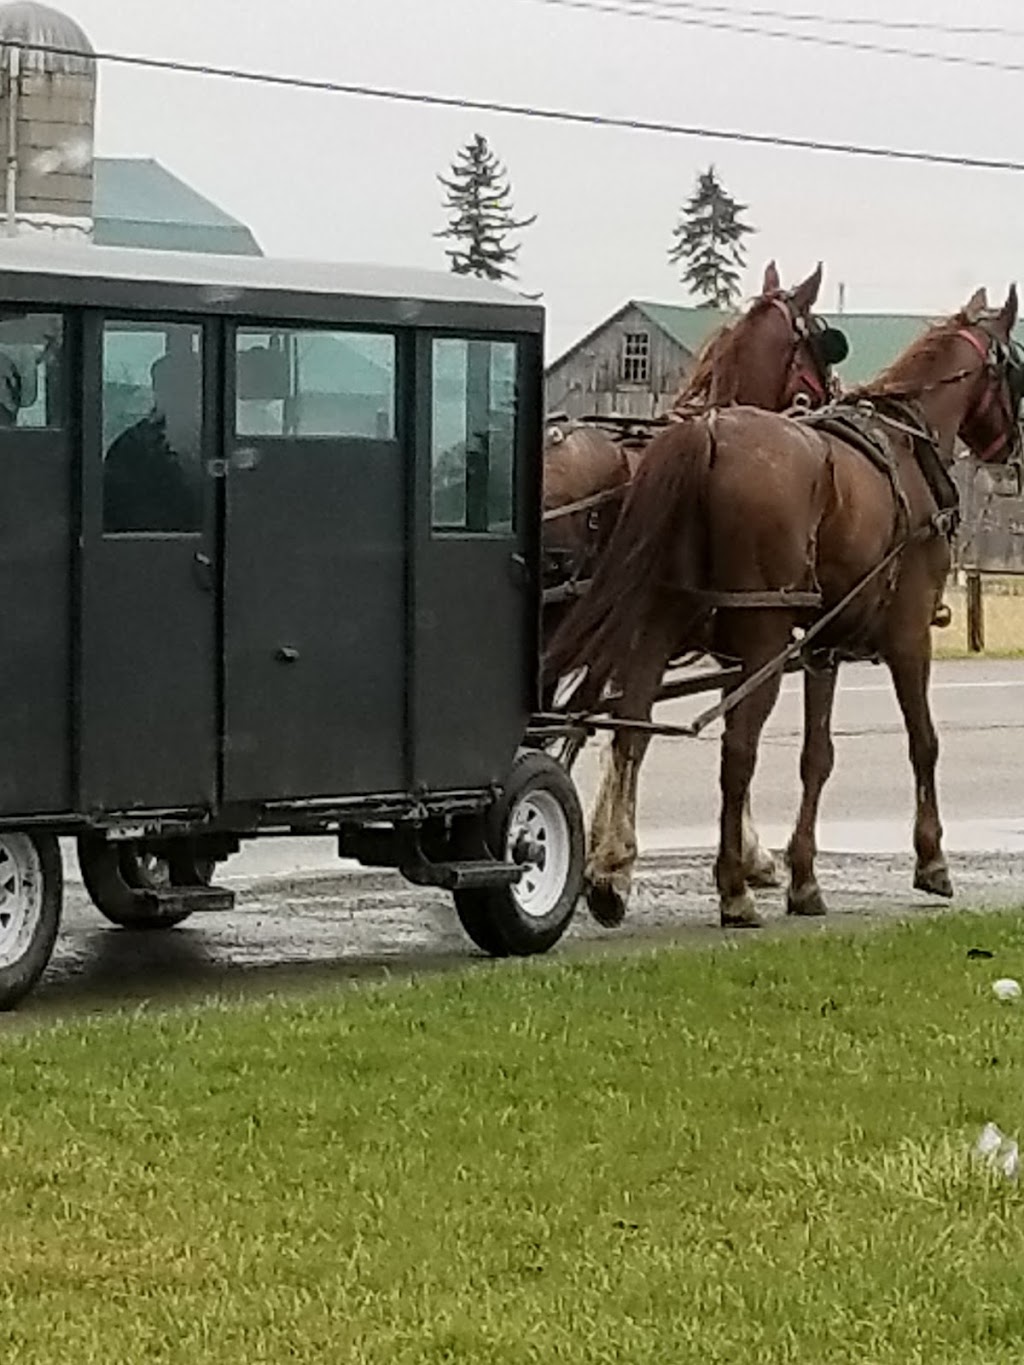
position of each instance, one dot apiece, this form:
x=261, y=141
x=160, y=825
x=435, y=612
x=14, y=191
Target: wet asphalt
x=303, y=920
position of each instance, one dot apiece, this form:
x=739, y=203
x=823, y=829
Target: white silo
x=47, y=122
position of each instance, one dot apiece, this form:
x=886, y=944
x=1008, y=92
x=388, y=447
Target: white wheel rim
x=539, y=823
x=21, y=896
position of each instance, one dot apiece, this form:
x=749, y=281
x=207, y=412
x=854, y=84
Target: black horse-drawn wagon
x=269, y=564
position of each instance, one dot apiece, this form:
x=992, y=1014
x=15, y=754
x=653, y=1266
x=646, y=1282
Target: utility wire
x=846, y=20
x=659, y=12
x=540, y=113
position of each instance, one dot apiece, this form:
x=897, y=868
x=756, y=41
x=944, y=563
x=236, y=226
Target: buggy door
x=149, y=578
x=476, y=604
x=315, y=564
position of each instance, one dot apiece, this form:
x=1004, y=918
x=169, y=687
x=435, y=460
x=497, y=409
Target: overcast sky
x=341, y=178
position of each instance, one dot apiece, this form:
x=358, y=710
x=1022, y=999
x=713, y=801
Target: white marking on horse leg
x=613, y=848
x=758, y=863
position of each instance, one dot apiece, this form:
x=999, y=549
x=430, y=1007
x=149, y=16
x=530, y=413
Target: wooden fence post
x=975, y=613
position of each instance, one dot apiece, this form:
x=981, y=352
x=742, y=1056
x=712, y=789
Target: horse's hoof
x=934, y=879
x=943, y=616
x=807, y=902
x=606, y=905
x=740, y=912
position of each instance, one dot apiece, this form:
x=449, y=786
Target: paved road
x=301, y=913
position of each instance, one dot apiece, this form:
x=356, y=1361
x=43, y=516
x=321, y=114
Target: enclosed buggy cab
x=269, y=545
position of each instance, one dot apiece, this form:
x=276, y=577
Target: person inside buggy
x=152, y=474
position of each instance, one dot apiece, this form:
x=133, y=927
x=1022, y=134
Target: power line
x=848, y=20
x=660, y=12
x=543, y=114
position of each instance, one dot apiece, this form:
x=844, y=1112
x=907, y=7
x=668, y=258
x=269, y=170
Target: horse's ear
x=976, y=306
x=1008, y=316
x=772, y=283
x=805, y=295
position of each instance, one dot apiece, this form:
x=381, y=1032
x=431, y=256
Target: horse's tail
x=659, y=539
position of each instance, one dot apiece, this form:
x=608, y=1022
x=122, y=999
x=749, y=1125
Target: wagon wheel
x=537, y=822
x=117, y=876
x=31, y=894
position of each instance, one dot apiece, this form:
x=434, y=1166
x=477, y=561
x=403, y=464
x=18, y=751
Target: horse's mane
x=717, y=367
x=913, y=370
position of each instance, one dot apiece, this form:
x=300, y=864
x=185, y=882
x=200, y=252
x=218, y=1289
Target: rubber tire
x=116, y=883
x=19, y=978
x=491, y=916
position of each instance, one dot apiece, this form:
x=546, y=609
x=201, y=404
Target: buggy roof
x=235, y=283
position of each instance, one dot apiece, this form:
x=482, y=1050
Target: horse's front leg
x=910, y=673
x=816, y=762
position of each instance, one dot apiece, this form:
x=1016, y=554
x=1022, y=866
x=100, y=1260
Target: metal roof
x=223, y=275
x=28, y=24
x=876, y=339
x=137, y=202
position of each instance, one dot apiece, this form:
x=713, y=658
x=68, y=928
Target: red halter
x=985, y=402
x=799, y=375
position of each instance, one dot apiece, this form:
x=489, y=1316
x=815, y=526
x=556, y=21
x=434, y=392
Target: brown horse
x=774, y=356
x=762, y=524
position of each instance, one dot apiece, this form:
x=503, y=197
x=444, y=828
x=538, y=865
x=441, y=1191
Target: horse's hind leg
x=816, y=762
x=612, y=844
x=910, y=672
x=743, y=726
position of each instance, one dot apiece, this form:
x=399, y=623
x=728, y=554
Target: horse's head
x=993, y=367
x=777, y=355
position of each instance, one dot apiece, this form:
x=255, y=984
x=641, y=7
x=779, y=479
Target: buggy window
x=308, y=383
x=152, y=427
x=473, y=435
x=31, y=370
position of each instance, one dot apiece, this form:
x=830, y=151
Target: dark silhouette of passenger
x=152, y=477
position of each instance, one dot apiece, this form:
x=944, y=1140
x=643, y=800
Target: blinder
x=829, y=344
x=826, y=346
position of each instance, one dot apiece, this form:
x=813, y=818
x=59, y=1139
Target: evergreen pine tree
x=480, y=214
x=708, y=240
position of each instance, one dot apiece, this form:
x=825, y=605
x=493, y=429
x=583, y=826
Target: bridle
x=809, y=379
x=1005, y=369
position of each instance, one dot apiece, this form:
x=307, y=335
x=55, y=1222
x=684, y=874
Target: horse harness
x=864, y=425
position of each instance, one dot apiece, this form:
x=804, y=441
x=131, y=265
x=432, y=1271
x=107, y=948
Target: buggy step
x=190, y=899
x=469, y=876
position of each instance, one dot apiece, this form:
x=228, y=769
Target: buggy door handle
x=202, y=565
x=520, y=570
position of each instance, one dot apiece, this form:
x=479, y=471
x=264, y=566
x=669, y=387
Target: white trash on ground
x=999, y=1152
x=1006, y=988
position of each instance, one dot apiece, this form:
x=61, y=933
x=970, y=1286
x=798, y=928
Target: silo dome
x=48, y=109
x=38, y=26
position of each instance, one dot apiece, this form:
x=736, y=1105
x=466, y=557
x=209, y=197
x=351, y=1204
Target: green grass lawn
x=749, y=1154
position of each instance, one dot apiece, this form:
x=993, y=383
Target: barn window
x=636, y=358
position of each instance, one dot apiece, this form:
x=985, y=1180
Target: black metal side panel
x=473, y=663
x=36, y=540
x=314, y=621
x=149, y=733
